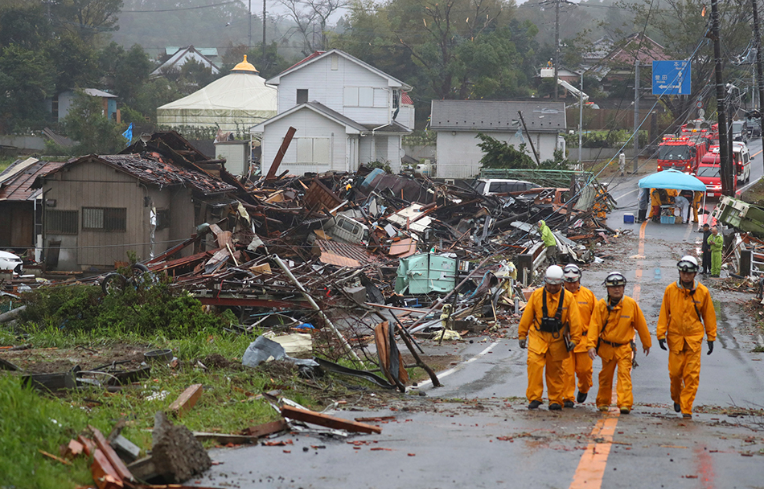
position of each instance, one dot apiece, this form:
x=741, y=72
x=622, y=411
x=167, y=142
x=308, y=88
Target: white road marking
x=452, y=370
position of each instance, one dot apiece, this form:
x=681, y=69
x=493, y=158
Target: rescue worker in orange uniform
x=696, y=205
x=686, y=305
x=612, y=328
x=550, y=316
x=656, y=203
x=578, y=362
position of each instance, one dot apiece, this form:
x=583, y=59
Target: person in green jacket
x=548, y=240
x=715, y=241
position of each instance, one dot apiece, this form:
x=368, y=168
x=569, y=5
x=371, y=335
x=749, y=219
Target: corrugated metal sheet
x=17, y=185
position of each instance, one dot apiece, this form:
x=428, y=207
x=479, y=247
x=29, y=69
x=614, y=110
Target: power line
x=177, y=9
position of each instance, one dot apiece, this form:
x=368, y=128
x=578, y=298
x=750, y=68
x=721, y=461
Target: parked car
x=753, y=128
x=491, y=186
x=9, y=261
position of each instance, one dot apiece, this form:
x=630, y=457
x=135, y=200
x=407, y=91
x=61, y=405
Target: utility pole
x=636, y=98
x=534, y=151
x=556, y=60
x=263, y=41
x=759, y=57
x=579, y=142
x=249, y=24
x=723, y=133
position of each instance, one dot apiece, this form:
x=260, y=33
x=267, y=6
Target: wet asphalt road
x=476, y=432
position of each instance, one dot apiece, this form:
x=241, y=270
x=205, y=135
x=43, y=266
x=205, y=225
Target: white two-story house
x=346, y=112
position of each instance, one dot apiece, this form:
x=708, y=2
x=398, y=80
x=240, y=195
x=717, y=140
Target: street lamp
x=579, y=149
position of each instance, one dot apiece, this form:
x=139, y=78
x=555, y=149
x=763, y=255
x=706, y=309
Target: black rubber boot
x=554, y=407
x=677, y=407
x=581, y=396
x=568, y=404
x=641, y=215
x=534, y=405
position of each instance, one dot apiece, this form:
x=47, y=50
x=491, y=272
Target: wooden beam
x=187, y=399
x=122, y=471
x=328, y=421
x=280, y=154
x=104, y=474
x=266, y=429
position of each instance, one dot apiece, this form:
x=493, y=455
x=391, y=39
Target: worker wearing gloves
x=578, y=362
x=686, y=305
x=549, y=241
x=550, y=314
x=611, y=330
x=715, y=241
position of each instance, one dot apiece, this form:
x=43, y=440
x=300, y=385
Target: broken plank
x=187, y=399
x=104, y=474
x=266, y=429
x=119, y=467
x=73, y=449
x=57, y=459
x=89, y=446
x=328, y=421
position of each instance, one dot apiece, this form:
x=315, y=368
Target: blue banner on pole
x=128, y=134
x=671, y=77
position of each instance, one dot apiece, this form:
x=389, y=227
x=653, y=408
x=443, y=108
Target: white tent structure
x=235, y=102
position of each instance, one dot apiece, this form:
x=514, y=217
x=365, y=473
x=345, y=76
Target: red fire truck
x=682, y=153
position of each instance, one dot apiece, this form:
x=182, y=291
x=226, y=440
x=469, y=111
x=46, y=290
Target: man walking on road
x=549, y=312
x=685, y=306
x=610, y=334
x=549, y=241
x=705, y=249
x=578, y=362
x=715, y=241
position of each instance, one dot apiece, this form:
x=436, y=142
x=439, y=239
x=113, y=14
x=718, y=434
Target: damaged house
x=97, y=208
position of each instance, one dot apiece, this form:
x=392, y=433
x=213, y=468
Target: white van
x=491, y=186
x=345, y=229
x=741, y=161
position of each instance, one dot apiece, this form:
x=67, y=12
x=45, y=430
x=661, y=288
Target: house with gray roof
x=458, y=122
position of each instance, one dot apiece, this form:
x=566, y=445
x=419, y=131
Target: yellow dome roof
x=245, y=67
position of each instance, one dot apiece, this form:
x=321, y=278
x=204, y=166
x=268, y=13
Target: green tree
x=131, y=74
x=25, y=82
x=499, y=154
x=93, y=131
x=88, y=17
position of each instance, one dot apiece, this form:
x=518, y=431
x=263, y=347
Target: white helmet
x=554, y=275
x=572, y=273
x=688, y=264
x=615, y=279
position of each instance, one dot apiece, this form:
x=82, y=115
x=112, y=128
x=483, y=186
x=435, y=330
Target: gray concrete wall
x=29, y=143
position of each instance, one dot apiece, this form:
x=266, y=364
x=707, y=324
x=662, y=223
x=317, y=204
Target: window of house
x=312, y=150
x=163, y=219
x=104, y=218
x=302, y=95
x=365, y=97
x=334, y=62
x=61, y=222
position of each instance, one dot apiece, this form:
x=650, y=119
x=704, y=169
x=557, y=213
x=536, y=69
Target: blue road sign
x=671, y=78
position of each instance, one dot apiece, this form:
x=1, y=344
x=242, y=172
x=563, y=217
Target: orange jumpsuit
x=696, y=205
x=547, y=351
x=656, y=202
x=682, y=326
x=615, y=330
x=578, y=362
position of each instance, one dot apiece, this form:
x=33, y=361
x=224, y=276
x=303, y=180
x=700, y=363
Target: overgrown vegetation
x=147, y=309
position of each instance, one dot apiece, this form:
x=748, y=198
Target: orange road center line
x=590, y=471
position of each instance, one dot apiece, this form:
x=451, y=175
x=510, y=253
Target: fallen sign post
x=329, y=421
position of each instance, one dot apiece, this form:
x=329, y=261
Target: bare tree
x=310, y=17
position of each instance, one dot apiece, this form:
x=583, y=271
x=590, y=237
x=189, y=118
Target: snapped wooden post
x=187, y=399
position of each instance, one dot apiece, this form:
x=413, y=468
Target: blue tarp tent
x=672, y=179
x=676, y=180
